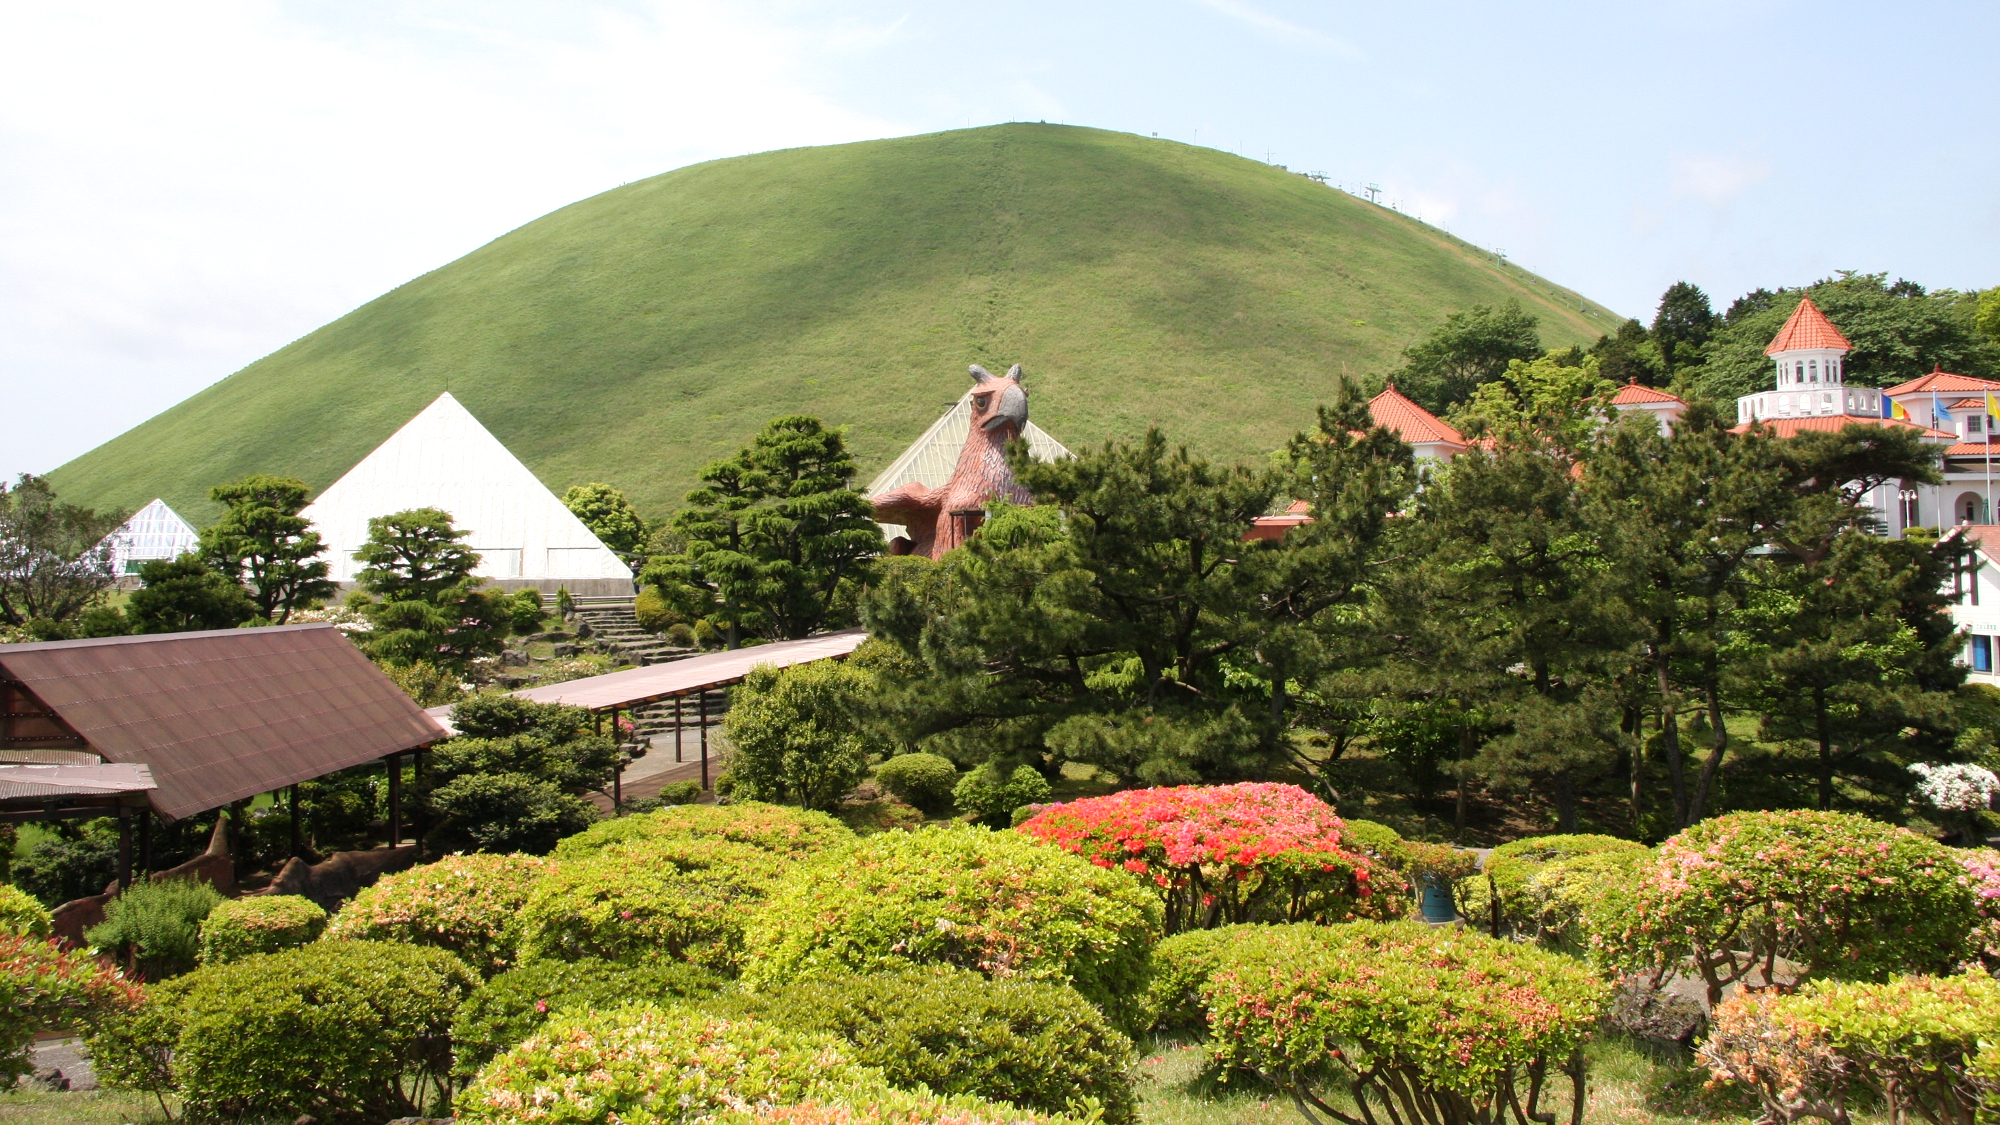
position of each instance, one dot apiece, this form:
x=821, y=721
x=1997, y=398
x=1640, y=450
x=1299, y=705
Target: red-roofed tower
x=1810, y=354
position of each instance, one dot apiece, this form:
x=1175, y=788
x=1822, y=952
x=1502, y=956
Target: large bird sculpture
x=939, y=519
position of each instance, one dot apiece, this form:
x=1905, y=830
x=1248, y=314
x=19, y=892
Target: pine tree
x=1682, y=325
x=771, y=536
x=263, y=543
x=185, y=594
x=609, y=516
x=430, y=606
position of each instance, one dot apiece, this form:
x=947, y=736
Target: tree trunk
x=1565, y=803
x=1825, y=751
x=1634, y=724
x=1706, y=783
x=1670, y=734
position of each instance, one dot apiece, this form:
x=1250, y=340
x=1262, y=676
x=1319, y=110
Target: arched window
x=1815, y=371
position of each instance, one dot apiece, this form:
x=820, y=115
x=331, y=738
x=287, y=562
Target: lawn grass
x=29, y=1106
x=639, y=334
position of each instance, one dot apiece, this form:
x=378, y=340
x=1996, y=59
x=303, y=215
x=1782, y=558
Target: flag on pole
x=1896, y=410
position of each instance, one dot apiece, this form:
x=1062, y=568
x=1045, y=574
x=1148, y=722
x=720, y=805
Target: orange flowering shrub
x=1223, y=854
x=42, y=987
x=1835, y=895
x=469, y=905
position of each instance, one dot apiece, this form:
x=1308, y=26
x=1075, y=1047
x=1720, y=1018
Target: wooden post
x=395, y=800
x=297, y=844
x=678, y=700
x=124, y=847
x=704, y=740
x=423, y=807
x=145, y=840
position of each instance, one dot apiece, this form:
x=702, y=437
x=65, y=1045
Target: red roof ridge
x=1394, y=411
x=1942, y=381
x=1807, y=327
x=1633, y=393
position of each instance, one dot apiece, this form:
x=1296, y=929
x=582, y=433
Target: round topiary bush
x=1182, y=965
x=262, y=924
x=344, y=1031
x=794, y=833
x=996, y=902
x=515, y=1004
x=43, y=988
x=1512, y=866
x=685, y=898
x=923, y=780
x=654, y=613
x=1443, y=1024
x=1031, y=1044
x=21, y=914
x=640, y=1065
x=1225, y=854
x=1913, y=1042
x=991, y=796
x=1834, y=895
x=469, y=905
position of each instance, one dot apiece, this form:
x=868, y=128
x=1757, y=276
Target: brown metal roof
x=227, y=714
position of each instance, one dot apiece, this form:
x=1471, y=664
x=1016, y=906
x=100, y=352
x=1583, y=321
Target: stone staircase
x=617, y=630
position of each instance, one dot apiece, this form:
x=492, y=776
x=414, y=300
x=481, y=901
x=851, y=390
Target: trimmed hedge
x=685, y=899
x=21, y=914
x=1915, y=1042
x=1413, y=859
x=923, y=780
x=794, y=833
x=1512, y=866
x=242, y=927
x=354, y=1031
x=514, y=1005
x=1223, y=854
x=468, y=905
x=996, y=902
x=991, y=797
x=1182, y=965
x=1031, y=1044
x=1444, y=1024
x=42, y=988
x=1839, y=896
x=642, y=1066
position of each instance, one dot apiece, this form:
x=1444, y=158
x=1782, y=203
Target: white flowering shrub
x=346, y=620
x=1955, y=787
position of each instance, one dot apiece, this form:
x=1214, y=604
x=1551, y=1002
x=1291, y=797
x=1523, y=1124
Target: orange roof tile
x=1942, y=382
x=1834, y=423
x=1391, y=410
x=1632, y=394
x=1807, y=328
x=1973, y=449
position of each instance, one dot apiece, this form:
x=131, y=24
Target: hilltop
x=641, y=333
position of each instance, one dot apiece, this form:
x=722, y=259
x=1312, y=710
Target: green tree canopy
x=430, y=607
x=1682, y=326
x=609, y=516
x=1468, y=349
x=262, y=541
x=186, y=594
x=772, y=534
x=54, y=560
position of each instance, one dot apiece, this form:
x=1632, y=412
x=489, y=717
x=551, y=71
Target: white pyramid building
x=443, y=458
x=154, y=532
x=930, y=459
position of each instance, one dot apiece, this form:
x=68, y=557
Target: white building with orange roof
x=1665, y=409
x=1810, y=355
x=1426, y=434
x=1965, y=407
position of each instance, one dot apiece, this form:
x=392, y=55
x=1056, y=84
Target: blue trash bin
x=1434, y=901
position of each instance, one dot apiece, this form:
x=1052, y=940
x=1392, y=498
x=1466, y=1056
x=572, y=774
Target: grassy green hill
x=639, y=334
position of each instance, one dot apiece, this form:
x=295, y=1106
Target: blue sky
x=184, y=188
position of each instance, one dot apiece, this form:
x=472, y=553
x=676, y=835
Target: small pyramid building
x=443, y=458
x=153, y=533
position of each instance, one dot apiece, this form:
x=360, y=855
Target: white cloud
x=1715, y=179
x=184, y=188
x=1283, y=29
